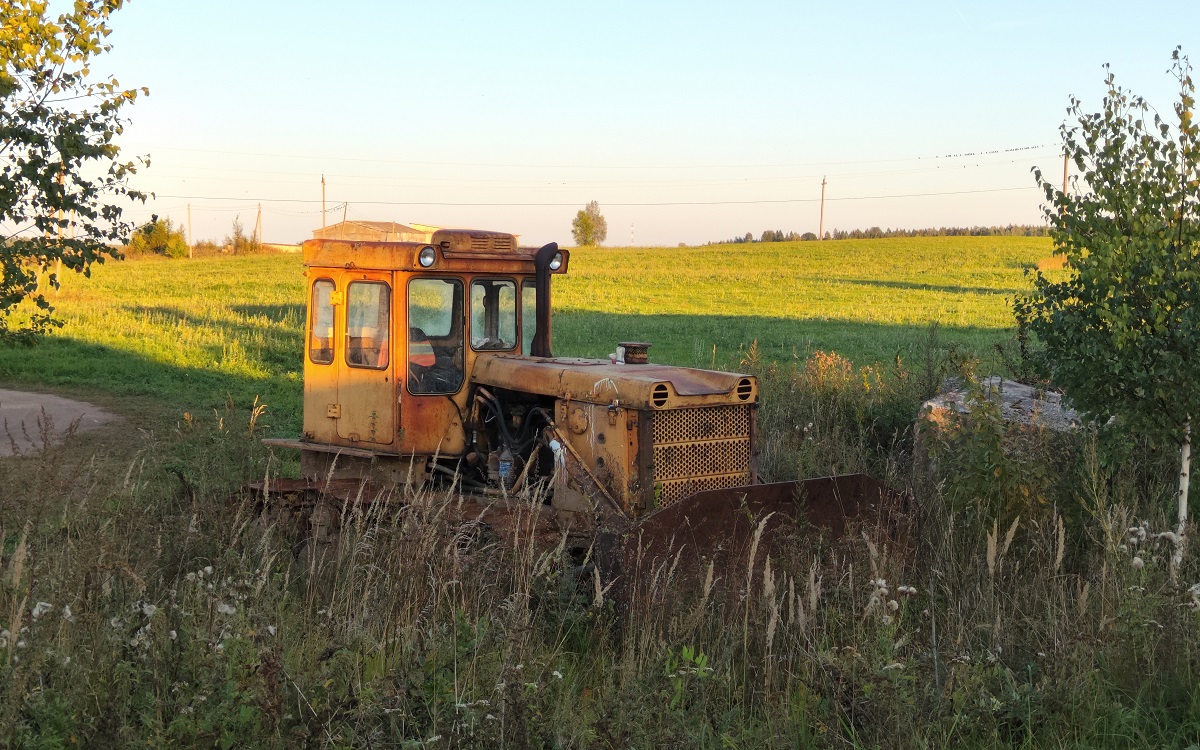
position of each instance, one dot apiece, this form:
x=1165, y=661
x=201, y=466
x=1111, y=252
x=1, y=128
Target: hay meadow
x=142, y=603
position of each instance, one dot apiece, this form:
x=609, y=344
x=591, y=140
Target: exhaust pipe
x=541, y=337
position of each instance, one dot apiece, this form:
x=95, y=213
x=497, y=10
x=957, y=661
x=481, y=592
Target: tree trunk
x=1185, y=470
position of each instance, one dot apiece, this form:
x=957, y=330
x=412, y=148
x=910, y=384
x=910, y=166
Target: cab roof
x=457, y=250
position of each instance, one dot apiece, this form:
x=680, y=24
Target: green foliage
x=1121, y=332
x=997, y=471
x=238, y=243
x=589, y=226
x=62, y=174
x=158, y=237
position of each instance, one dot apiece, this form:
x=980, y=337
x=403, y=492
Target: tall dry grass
x=150, y=606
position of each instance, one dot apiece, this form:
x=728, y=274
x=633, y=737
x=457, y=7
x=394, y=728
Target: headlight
x=427, y=256
x=556, y=262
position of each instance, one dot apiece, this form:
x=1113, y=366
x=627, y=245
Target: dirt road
x=24, y=416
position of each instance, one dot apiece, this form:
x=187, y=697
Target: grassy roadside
x=193, y=335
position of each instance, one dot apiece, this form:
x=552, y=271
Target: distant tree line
x=874, y=233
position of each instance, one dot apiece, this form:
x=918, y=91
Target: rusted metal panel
x=721, y=520
x=366, y=388
x=603, y=437
x=457, y=251
x=601, y=382
x=320, y=379
x=720, y=525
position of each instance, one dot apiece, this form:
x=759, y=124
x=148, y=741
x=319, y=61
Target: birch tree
x=60, y=169
x=1122, y=329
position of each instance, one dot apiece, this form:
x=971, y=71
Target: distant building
x=375, y=231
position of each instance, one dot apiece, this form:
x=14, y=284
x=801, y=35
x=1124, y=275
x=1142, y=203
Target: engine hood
x=598, y=381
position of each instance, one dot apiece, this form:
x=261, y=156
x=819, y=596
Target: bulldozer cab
x=394, y=328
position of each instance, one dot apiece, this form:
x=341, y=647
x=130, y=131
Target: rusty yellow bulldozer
x=430, y=363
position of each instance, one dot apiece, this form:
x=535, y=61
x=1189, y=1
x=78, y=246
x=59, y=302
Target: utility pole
x=322, y=201
x=345, y=209
x=191, y=242
x=631, y=234
x=258, y=226
x=1066, y=162
x=821, y=226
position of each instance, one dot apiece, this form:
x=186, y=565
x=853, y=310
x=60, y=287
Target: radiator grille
x=700, y=449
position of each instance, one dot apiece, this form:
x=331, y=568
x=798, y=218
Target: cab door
x=366, y=385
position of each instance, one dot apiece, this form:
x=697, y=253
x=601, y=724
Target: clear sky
x=511, y=116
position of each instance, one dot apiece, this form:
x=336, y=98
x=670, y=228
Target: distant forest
x=777, y=235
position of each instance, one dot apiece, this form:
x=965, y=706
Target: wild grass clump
x=153, y=605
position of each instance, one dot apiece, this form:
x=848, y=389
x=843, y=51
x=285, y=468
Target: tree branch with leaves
x=1121, y=332
x=60, y=167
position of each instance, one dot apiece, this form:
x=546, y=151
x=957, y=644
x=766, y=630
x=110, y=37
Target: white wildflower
x=4, y=636
x=191, y=577
x=40, y=609
x=519, y=667
x=1193, y=602
x=219, y=648
x=66, y=662
x=186, y=710
x=207, y=570
x=172, y=635
x=907, y=590
x=66, y=613
x=489, y=717
x=1138, y=563
x=226, y=609
x=434, y=738
x=21, y=643
x=893, y=605
x=886, y=619
x=557, y=674
x=149, y=609
x=115, y=623
x=271, y=630
x=892, y=666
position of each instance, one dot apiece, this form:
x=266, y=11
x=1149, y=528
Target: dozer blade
x=720, y=525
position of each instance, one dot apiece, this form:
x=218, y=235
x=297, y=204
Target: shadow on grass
x=711, y=341
x=82, y=368
x=917, y=286
x=689, y=340
x=292, y=314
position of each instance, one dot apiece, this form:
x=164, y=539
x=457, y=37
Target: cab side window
x=368, y=324
x=320, y=332
x=435, y=336
x=493, y=315
x=528, y=314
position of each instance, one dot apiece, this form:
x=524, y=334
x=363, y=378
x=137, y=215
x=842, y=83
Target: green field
x=188, y=335
x=145, y=602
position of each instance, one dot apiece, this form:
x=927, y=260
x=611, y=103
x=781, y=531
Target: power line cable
x=375, y=160
x=575, y=203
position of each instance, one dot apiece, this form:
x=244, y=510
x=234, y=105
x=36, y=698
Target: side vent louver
x=659, y=395
x=745, y=389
